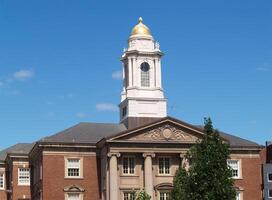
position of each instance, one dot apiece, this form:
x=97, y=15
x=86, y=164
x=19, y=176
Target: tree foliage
x=209, y=177
x=142, y=195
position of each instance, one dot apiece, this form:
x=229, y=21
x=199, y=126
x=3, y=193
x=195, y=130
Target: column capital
x=110, y=154
x=151, y=154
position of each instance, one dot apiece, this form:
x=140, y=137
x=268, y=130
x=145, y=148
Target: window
x=235, y=168
x=129, y=195
x=164, y=195
x=124, y=111
x=2, y=181
x=73, y=167
x=238, y=195
x=73, y=196
x=164, y=165
x=145, y=82
x=269, y=193
x=128, y=165
x=269, y=177
x=23, y=176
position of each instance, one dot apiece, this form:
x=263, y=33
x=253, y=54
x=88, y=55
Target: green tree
x=209, y=177
x=180, y=180
x=142, y=195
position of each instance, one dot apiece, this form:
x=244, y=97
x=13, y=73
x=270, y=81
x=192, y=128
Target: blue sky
x=59, y=63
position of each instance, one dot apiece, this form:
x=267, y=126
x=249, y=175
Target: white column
x=184, y=162
x=148, y=173
x=135, y=73
x=113, y=175
x=156, y=72
x=130, y=72
x=159, y=73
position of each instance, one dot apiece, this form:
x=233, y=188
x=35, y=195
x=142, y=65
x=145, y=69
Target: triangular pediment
x=167, y=130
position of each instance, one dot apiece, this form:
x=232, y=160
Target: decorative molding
x=151, y=154
x=110, y=154
x=73, y=188
x=165, y=133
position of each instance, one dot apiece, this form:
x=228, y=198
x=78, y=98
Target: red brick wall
x=54, y=180
x=19, y=191
x=3, y=195
x=251, y=179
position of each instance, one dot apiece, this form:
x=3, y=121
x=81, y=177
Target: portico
x=147, y=158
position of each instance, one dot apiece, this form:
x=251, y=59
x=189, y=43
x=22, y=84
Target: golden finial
x=140, y=19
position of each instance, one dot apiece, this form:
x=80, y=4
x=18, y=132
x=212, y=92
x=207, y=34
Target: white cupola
x=142, y=95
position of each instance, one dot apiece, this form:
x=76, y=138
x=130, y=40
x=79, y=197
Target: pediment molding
x=167, y=130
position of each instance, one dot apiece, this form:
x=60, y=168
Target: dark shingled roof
x=235, y=141
x=93, y=132
x=85, y=133
x=20, y=148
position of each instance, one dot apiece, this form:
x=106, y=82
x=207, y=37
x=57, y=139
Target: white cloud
x=23, y=74
x=106, y=107
x=82, y=115
x=118, y=75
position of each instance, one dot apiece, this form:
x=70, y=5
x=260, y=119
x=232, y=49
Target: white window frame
x=270, y=197
x=2, y=174
x=129, y=195
x=164, y=195
x=268, y=177
x=238, y=196
x=129, y=169
x=69, y=193
x=239, y=171
x=22, y=181
x=80, y=167
x=164, y=166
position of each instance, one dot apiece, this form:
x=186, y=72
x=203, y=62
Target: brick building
x=266, y=155
x=92, y=161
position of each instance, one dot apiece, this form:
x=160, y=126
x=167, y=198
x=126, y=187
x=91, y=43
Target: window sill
x=237, y=178
x=129, y=175
x=23, y=184
x=72, y=178
x=164, y=175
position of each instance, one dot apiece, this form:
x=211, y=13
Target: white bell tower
x=142, y=95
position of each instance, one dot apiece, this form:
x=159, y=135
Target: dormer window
x=145, y=75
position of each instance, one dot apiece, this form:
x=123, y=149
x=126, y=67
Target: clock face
x=145, y=67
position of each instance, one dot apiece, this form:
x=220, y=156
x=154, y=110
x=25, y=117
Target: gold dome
x=140, y=29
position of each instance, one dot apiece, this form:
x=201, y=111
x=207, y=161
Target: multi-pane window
x=1, y=181
x=23, y=176
x=164, y=195
x=270, y=193
x=238, y=196
x=164, y=165
x=73, y=167
x=129, y=195
x=235, y=168
x=73, y=196
x=128, y=165
x=145, y=75
x=270, y=177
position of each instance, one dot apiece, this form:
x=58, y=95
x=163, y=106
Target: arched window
x=145, y=77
